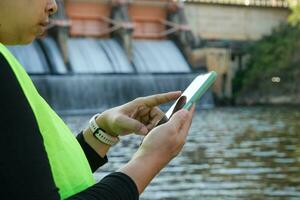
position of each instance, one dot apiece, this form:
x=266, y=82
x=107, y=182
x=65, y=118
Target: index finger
x=157, y=99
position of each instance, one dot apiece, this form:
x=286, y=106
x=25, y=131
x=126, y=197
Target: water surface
x=231, y=153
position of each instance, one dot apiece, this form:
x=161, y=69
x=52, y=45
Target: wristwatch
x=100, y=134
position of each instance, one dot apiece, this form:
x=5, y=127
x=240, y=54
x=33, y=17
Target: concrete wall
x=212, y=21
x=218, y=60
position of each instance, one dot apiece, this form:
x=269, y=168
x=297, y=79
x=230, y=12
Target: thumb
x=178, y=119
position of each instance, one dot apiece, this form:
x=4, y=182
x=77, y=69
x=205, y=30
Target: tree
x=294, y=18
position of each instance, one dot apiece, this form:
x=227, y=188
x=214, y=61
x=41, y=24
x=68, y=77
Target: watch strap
x=100, y=134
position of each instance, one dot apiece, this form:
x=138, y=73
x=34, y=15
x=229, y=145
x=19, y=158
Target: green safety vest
x=69, y=166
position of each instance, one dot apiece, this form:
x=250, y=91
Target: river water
x=230, y=153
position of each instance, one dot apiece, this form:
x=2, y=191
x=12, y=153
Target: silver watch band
x=100, y=134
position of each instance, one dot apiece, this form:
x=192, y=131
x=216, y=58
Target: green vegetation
x=294, y=18
x=276, y=55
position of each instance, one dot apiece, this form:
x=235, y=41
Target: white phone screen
x=191, y=90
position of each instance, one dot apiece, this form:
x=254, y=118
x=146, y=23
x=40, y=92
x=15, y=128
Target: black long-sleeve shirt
x=24, y=166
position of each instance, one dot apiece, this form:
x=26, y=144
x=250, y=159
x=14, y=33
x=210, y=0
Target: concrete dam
x=99, y=54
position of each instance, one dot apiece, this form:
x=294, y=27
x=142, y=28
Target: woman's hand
x=161, y=145
x=138, y=116
x=167, y=140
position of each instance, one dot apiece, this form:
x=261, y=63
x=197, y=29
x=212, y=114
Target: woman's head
x=21, y=21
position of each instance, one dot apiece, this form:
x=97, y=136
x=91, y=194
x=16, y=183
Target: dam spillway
x=101, y=55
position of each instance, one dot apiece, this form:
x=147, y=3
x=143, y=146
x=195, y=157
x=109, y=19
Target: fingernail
x=144, y=130
x=175, y=92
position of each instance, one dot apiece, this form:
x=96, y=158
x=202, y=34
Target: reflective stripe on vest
x=70, y=168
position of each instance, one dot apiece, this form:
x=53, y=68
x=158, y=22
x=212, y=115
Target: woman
x=40, y=158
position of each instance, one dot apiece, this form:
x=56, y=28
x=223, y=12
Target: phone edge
x=201, y=90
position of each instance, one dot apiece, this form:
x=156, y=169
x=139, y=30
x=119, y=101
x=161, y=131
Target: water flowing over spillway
x=97, y=56
x=90, y=93
x=99, y=75
x=54, y=56
x=158, y=57
x=40, y=57
x=31, y=57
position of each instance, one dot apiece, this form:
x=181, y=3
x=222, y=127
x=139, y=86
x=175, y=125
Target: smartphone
x=193, y=92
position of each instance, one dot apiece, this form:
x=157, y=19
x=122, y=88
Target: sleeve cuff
x=123, y=184
x=115, y=186
x=93, y=158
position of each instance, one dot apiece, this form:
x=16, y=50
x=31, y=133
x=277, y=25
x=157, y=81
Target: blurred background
x=244, y=142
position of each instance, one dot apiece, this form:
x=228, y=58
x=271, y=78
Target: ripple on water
x=230, y=153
